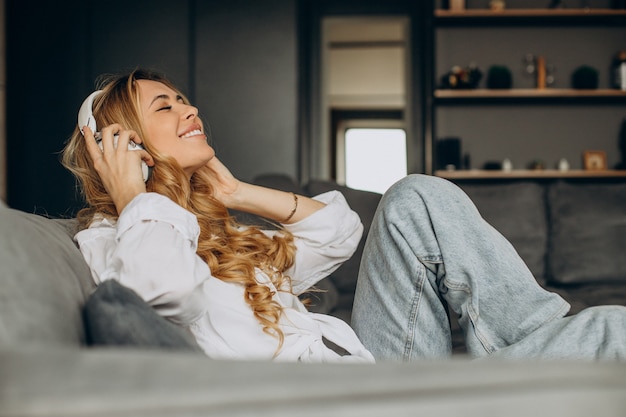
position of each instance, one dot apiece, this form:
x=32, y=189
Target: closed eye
x=164, y=108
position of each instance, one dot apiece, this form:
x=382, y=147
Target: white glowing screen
x=375, y=158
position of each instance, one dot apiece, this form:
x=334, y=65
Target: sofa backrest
x=567, y=232
x=587, y=233
x=517, y=209
x=364, y=203
x=44, y=281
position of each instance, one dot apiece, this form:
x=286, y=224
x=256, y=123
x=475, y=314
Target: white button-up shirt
x=152, y=250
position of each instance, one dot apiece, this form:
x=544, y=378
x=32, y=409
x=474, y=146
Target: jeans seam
x=411, y=330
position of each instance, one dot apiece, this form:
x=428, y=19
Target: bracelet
x=295, y=207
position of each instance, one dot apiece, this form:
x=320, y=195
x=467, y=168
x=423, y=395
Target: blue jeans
x=429, y=248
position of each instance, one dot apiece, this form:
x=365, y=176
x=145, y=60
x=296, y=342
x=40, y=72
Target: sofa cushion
x=581, y=296
x=518, y=211
x=587, y=233
x=364, y=203
x=44, y=282
x=116, y=316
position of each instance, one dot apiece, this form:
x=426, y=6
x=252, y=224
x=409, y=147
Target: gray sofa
x=571, y=234
x=68, y=349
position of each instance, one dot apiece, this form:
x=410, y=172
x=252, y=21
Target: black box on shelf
x=448, y=153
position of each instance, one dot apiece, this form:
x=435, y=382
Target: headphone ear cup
x=86, y=118
x=85, y=113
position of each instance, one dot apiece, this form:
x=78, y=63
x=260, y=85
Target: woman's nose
x=190, y=112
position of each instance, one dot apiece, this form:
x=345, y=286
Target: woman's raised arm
x=281, y=206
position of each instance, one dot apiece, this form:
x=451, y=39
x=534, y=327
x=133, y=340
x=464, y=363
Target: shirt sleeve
x=152, y=250
x=324, y=240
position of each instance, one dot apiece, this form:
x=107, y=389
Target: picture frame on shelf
x=594, y=160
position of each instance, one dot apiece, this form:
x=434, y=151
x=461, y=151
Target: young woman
x=171, y=239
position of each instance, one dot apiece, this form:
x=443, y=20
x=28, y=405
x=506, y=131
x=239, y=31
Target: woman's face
x=173, y=127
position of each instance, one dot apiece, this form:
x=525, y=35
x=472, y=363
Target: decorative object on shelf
x=462, y=78
x=594, y=160
x=550, y=77
x=562, y=165
x=536, y=165
x=499, y=77
x=454, y=5
x=492, y=166
x=497, y=5
x=619, y=70
x=537, y=67
x=541, y=72
x=585, y=78
x=507, y=165
x=530, y=64
x=449, y=153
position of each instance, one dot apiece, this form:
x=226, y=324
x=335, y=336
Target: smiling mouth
x=195, y=132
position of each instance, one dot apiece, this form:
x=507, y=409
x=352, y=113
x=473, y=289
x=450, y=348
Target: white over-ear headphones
x=85, y=114
x=86, y=118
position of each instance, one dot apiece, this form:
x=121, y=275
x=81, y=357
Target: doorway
x=364, y=101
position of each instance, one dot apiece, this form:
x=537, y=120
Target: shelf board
x=442, y=13
x=530, y=94
x=477, y=174
x=533, y=17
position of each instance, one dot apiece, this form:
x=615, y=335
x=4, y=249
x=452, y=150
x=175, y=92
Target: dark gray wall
x=246, y=83
x=148, y=33
x=236, y=60
x=47, y=72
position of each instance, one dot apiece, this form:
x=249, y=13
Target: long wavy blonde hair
x=231, y=251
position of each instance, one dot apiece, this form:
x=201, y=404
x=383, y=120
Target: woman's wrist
x=280, y=206
x=294, y=209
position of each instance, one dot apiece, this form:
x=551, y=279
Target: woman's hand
x=118, y=168
x=225, y=185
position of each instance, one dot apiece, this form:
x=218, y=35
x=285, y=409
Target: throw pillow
x=44, y=282
x=115, y=315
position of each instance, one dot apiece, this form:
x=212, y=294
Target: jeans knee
x=416, y=189
x=420, y=183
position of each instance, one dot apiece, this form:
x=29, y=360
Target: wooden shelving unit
x=526, y=18
x=478, y=174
